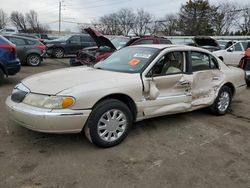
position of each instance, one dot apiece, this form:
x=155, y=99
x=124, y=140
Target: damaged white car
x=133, y=84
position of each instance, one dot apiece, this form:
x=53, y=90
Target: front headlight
x=50, y=102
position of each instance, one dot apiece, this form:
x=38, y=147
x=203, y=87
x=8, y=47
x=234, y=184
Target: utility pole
x=60, y=9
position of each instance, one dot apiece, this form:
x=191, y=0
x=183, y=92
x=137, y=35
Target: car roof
x=22, y=37
x=162, y=46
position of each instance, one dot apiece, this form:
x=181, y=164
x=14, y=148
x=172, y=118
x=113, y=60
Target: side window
x=87, y=39
x=237, y=47
x=200, y=61
x=144, y=41
x=213, y=63
x=17, y=41
x=75, y=39
x=171, y=63
x=31, y=42
x=165, y=41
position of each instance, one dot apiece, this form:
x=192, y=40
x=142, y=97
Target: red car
x=245, y=65
x=105, y=47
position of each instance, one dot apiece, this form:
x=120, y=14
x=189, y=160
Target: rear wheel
x=109, y=123
x=58, y=53
x=223, y=101
x=34, y=60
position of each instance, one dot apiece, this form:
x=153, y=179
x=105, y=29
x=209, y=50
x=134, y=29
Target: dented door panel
x=173, y=94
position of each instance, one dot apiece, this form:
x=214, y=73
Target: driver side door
x=167, y=86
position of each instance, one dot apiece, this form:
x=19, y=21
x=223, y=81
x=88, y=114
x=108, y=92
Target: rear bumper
x=46, y=120
x=13, y=67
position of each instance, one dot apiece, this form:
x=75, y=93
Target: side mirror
x=230, y=49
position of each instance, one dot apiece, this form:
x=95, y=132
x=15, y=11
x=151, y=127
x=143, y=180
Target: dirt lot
x=192, y=150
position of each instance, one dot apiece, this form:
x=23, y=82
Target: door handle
x=216, y=78
x=184, y=83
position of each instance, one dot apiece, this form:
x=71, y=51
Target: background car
x=233, y=52
x=68, y=45
x=29, y=50
x=132, y=84
x=105, y=46
x=9, y=63
x=207, y=43
x=245, y=65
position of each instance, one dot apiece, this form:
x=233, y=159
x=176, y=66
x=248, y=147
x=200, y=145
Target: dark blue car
x=9, y=63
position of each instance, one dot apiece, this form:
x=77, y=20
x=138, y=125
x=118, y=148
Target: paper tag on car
x=134, y=62
x=146, y=56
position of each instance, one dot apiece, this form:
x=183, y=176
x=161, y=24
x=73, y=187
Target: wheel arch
x=3, y=68
x=231, y=86
x=123, y=98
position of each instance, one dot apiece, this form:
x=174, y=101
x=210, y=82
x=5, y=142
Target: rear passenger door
x=206, y=78
x=73, y=44
x=234, y=54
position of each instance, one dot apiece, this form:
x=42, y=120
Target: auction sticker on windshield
x=141, y=55
x=134, y=62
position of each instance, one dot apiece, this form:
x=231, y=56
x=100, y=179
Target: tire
x=58, y=52
x=34, y=60
x=223, y=101
x=1, y=75
x=102, y=128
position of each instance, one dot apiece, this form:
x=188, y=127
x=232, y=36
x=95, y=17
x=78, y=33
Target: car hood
x=205, y=41
x=54, y=82
x=99, y=38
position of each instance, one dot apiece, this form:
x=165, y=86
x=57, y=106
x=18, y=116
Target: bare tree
x=110, y=24
x=3, y=19
x=168, y=25
x=244, y=24
x=32, y=20
x=142, y=22
x=225, y=18
x=19, y=21
x=126, y=19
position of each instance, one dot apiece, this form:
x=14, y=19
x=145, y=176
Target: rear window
x=17, y=41
x=165, y=41
x=144, y=41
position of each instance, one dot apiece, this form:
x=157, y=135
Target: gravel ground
x=193, y=149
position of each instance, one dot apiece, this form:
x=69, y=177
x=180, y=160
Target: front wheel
x=109, y=123
x=223, y=101
x=58, y=53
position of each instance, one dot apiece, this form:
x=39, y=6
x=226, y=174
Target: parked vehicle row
x=105, y=47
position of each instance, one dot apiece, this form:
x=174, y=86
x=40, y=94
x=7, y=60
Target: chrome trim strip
x=45, y=113
x=173, y=96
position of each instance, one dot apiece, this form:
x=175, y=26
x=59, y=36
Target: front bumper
x=46, y=120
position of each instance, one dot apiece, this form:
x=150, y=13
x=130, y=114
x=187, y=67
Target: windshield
x=129, y=59
x=119, y=42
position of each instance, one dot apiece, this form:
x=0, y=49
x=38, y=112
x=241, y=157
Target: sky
x=87, y=11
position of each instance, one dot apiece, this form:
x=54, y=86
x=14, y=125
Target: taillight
x=8, y=47
x=42, y=47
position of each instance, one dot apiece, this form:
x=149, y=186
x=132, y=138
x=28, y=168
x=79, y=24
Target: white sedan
x=133, y=84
